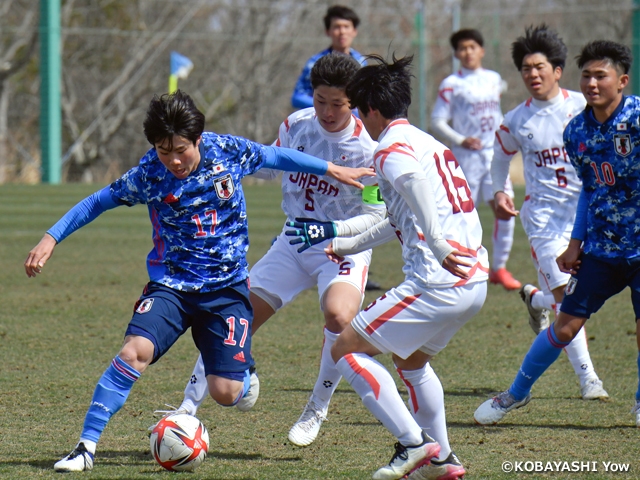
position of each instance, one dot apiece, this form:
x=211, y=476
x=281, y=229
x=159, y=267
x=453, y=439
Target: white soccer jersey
x=552, y=186
x=470, y=99
x=320, y=197
x=404, y=149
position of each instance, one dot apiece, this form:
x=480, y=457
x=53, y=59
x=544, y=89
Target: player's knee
x=337, y=322
x=225, y=392
x=137, y=355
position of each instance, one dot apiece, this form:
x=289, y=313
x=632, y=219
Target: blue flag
x=181, y=66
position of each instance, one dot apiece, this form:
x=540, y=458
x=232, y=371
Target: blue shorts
x=599, y=279
x=220, y=324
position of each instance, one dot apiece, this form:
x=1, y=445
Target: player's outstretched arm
x=309, y=232
x=377, y=235
x=81, y=214
x=291, y=160
x=39, y=255
x=505, y=208
x=569, y=260
x=348, y=175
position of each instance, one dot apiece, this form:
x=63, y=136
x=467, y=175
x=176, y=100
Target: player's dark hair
x=618, y=54
x=343, y=13
x=539, y=39
x=385, y=87
x=334, y=70
x=466, y=34
x=173, y=114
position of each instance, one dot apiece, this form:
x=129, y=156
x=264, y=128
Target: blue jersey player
x=603, y=255
x=190, y=181
x=341, y=26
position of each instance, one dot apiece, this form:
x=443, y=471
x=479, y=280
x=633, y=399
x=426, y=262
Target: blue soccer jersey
x=200, y=233
x=303, y=91
x=606, y=157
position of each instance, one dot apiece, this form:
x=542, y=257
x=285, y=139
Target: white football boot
x=165, y=413
x=79, y=460
x=250, y=398
x=448, y=469
x=306, y=429
x=593, y=390
x=494, y=409
x=636, y=413
x=406, y=459
x=538, y=317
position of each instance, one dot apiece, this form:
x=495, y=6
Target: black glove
x=310, y=232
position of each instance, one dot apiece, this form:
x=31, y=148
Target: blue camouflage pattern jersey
x=200, y=232
x=303, y=91
x=606, y=157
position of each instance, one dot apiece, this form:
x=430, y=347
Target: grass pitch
x=59, y=332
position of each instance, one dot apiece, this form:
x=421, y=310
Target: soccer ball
x=179, y=442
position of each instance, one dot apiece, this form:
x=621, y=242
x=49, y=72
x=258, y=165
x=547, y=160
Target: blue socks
x=109, y=396
x=638, y=392
x=545, y=350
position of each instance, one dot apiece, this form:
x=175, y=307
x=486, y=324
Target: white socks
x=578, y=353
x=502, y=242
x=329, y=376
x=379, y=394
x=543, y=300
x=426, y=402
x=197, y=388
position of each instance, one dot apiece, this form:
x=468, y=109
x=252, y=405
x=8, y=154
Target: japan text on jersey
x=606, y=157
x=470, y=99
x=535, y=129
x=199, y=223
x=322, y=198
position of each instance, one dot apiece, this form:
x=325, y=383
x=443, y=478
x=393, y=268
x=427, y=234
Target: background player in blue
x=603, y=255
x=190, y=181
x=341, y=26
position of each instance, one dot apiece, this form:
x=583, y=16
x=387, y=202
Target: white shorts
x=409, y=318
x=282, y=273
x=476, y=166
x=544, y=252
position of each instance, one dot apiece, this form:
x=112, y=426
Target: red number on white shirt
x=309, y=207
x=453, y=184
x=562, y=180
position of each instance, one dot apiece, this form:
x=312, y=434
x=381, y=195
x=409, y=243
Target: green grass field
x=59, y=332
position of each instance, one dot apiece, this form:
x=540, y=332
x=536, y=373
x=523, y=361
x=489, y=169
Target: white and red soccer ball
x=179, y=443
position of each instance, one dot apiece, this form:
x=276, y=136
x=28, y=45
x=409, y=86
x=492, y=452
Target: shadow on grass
x=469, y=392
x=111, y=458
x=564, y=426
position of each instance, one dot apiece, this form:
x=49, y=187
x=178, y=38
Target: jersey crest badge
x=622, y=142
x=224, y=187
x=571, y=286
x=145, y=306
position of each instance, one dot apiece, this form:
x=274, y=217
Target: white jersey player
x=535, y=129
x=432, y=214
x=470, y=100
x=329, y=131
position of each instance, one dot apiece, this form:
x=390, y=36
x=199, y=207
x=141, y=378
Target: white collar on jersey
x=552, y=101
